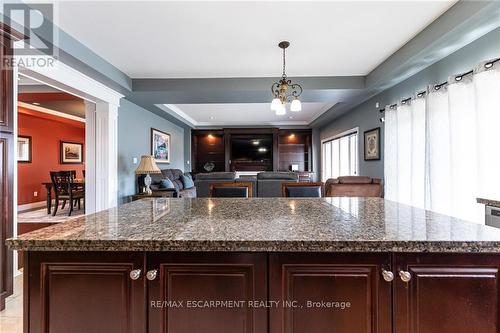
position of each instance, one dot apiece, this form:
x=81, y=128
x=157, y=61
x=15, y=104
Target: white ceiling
x=189, y=39
x=243, y=114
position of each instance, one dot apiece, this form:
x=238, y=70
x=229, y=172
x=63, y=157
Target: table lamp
x=147, y=166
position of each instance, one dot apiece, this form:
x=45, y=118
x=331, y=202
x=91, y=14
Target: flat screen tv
x=256, y=149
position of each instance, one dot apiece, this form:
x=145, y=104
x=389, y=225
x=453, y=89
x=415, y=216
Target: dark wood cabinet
x=191, y=284
x=184, y=292
x=330, y=293
x=84, y=292
x=289, y=146
x=452, y=293
x=6, y=83
x=6, y=164
x=207, y=149
x=295, y=149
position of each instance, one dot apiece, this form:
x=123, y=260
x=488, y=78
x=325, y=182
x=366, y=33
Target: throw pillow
x=166, y=183
x=187, y=181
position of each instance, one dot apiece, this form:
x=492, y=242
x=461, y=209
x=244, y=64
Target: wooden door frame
x=101, y=143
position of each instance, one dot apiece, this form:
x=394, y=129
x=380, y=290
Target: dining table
x=49, y=186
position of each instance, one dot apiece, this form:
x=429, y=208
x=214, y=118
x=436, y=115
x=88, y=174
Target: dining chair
x=231, y=190
x=66, y=189
x=302, y=190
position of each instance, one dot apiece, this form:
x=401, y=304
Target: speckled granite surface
x=264, y=224
x=489, y=202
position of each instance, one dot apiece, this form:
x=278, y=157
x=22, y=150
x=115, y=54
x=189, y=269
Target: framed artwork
x=24, y=150
x=372, y=144
x=71, y=152
x=160, y=146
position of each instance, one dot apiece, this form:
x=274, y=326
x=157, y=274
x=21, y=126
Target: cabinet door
x=6, y=214
x=84, y=292
x=330, y=293
x=186, y=295
x=6, y=86
x=454, y=293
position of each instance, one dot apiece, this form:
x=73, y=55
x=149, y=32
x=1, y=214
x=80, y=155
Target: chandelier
x=284, y=91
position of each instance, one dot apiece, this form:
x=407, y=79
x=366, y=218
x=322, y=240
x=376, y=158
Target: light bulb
x=296, y=105
x=281, y=110
x=275, y=104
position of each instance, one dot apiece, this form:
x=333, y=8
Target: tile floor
x=11, y=318
x=40, y=215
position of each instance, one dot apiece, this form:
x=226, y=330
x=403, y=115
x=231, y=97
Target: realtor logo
x=35, y=20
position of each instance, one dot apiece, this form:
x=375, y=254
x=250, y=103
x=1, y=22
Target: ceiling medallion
x=284, y=91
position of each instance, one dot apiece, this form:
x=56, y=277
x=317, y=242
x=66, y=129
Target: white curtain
x=441, y=151
x=404, y=148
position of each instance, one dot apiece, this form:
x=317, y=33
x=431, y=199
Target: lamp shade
x=296, y=105
x=147, y=165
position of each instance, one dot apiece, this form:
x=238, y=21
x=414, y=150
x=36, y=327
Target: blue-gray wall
x=366, y=116
x=134, y=137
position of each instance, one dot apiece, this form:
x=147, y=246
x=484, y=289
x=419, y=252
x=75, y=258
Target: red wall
x=46, y=131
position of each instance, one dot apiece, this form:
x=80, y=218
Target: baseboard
x=31, y=205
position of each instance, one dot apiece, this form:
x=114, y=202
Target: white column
x=106, y=155
x=90, y=168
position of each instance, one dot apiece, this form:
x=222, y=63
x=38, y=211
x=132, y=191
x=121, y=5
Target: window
x=340, y=156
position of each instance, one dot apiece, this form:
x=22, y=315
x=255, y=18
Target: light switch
x=135, y=160
x=35, y=194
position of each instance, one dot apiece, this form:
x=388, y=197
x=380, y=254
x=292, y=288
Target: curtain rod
x=458, y=77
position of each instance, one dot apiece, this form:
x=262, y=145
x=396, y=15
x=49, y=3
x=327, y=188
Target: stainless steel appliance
x=493, y=216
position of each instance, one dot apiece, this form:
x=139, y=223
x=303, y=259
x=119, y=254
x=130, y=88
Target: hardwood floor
x=11, y=319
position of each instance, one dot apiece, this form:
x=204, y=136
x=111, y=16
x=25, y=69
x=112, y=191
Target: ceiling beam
x=245, y=84
x=462, y=24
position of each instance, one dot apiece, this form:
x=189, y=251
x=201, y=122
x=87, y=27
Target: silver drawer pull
x=405, y=276
x=151, y=275
x=135, y=274
x=387, y=275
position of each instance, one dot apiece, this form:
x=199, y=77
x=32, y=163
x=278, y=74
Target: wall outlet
x=135, y=160
x=35, y=194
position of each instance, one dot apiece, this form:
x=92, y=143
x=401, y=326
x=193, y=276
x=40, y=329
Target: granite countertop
x=264, y=224
x=488, y=202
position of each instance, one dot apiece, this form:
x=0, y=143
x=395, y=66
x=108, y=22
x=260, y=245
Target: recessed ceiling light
x=212, y=117
x=262, y=149
x=255, y=142
x=36, y=103
x=291, y=117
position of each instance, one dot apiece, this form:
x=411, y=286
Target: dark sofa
x=269, y=183
x=175, y=176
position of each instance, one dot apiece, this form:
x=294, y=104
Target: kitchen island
x=262, y=265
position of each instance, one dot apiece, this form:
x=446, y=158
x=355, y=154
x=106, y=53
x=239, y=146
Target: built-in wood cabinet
x=171, y=292
x=188, y=282
x=332, y=293
x=289, y=147
x=85, y=292
x=6, y=163
x=447, y=293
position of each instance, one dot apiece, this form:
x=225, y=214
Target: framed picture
x=24, y=152
x=372, y=144
x=71, y=152
x=160, y=146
